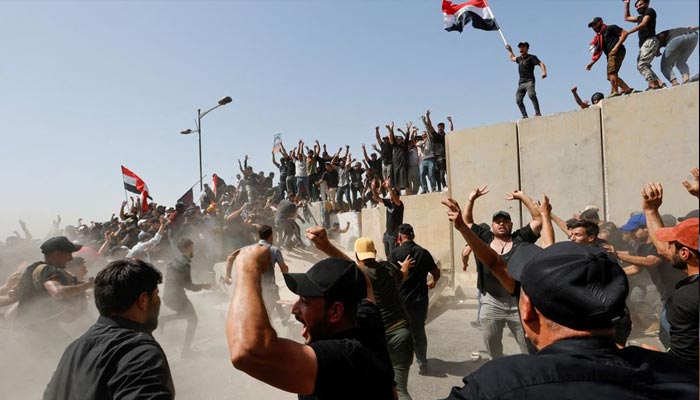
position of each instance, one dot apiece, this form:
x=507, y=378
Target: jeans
x=441, y=171
x=495, y=314
x=303, y=186
x=646, y=56
x=387, y=171
x=389, y=242
x=413, y=179
x=418, y=312
x=188, y=314
x=528, y=87
x=343, y=191
x=428, y=168
x=677, y=52
x=291, y=189
x=400, y=345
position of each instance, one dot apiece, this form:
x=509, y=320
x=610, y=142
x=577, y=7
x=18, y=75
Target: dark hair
x=264, y=232
x=590, y=215
x=597, y=96
x=121, y=283
x=184, y=243
x=441, y=124
x=590, y=227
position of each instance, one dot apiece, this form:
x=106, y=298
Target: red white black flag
x=457, y=16
x=134, y=184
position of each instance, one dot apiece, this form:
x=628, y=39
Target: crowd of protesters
x=651, y=277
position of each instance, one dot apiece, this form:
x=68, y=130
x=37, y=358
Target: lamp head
x=225, y=101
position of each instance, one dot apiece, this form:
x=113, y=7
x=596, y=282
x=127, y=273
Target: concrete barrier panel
x=373, y=225
x=650, y=136
x=427, y=216
x=561, y=155
x=481, y=156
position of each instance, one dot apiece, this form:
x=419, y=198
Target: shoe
x=653, y=329
x=630, y=91
x=423, y=369
x=613, y=94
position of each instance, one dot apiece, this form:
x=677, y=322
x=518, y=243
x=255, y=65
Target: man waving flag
x=457, y=16
x=134, y=184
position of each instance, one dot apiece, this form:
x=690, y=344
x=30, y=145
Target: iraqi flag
x=457, y=16
x=134, y=184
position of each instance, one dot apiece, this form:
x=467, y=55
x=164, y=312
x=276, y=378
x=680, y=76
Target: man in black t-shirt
x=499, y=306
x=414, y=291
x=394, y=214
x=526, y=70
x=385, y=149
x=345, y=354
x=648, y=42
x=386, y=278
x=609, y=40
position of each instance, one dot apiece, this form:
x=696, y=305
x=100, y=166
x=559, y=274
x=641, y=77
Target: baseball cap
x=635, y=221
x=594, y=20
x=692, y=214
x=576, y=286
x=406, y=229
x=685, y=233
x=364, y=248
x=526, y=44
x=331, y=278
x=59, y=243
x=501, y=213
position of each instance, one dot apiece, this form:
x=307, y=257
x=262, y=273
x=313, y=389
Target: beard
x=680, y=265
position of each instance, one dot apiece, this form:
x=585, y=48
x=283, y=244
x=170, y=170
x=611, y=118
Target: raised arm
x=536, y=223
x=27, y=234
x=317, y=148
x=378, y=136
x=240, y=166
x=253, y=344
x=694, y=188
x=561, y=224
x=481, y=249
x=628, y=16
x=545, y=210
x=469, y=210
x=364, y=153
x=274, y=161
x=375, y=191
x=428, y=123
x=390, y=128
x=452, y=125
x=394, y=198
x=283, y=150
x=652, y=197
x=510, y=53
x=577, y=99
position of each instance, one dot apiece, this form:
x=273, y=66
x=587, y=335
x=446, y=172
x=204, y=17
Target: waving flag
x=277, y=143
x=132, y=182
x=457, y=16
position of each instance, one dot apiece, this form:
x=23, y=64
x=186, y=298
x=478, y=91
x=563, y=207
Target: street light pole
x=199, y=134
x=222, y=102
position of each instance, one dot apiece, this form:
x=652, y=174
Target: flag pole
x=198, y=180
x=488, y=7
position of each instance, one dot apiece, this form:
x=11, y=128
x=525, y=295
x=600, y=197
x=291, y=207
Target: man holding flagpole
x=526, y=69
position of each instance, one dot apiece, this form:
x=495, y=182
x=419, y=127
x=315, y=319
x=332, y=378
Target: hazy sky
x=89, y=85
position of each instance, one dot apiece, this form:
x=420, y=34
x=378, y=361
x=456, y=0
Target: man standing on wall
x=648, y=42
x=526, y=69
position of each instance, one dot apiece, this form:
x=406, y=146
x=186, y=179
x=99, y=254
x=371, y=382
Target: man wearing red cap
x=680, y=245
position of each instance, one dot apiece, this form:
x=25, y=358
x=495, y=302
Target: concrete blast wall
x=599, y=156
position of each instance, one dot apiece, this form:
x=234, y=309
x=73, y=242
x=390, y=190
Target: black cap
x=576, y=286
x=692, y=214
x=406, y=229
x=501, y=213
x=594, y=20
x=332, y=278
x=59, y=243
x=526, y=44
